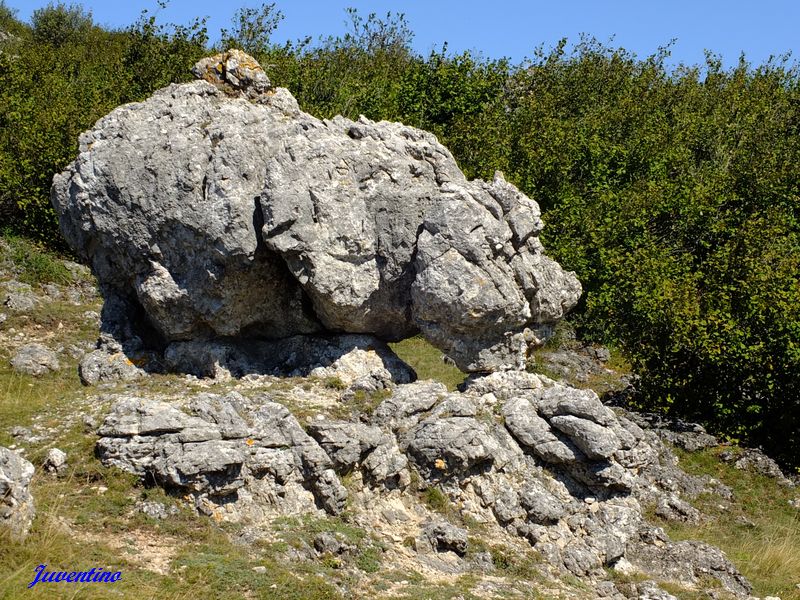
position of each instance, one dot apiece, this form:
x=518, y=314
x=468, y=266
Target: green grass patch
x=428, y=362
x=31, y=263
x=23, y=397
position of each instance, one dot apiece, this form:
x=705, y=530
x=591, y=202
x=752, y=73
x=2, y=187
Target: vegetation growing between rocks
x=672, y=192
x=759, y=530
x=87, y=516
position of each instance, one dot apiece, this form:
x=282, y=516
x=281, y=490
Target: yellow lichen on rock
x=234, y=71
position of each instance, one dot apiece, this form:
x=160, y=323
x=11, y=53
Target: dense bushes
x=673, y=192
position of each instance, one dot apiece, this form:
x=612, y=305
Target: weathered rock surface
x=214, y=454
x=35, y=359
x=19, y=297
x=753, y=459
x=688, y=562
x=55, y=461
x=360, y=360
x=101, y=365
x=529, y=457
x=217, y=209
x=16, y=503
x=444, y=536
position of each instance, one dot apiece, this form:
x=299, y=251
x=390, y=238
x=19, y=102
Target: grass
x=361, y=403
x=427, y=591
x=22, y=397
x=299, y=532
x=759, y=530
x=30, y=263
x=428, y=361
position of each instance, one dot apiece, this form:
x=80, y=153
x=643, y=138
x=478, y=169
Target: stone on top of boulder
x=234, y=69
x=217, y=209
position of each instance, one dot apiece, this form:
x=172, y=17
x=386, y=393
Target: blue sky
x=513, y=28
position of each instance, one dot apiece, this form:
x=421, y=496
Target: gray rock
x=542, y=507
x=35, y=359
x=222, y=412
x=16, y=503
x=219, y=210
x=155, y=510
x=453, y=445
x=234, y=70
x=386, y=464
x=21, y=301
x=533, y=432
x=444, y=536
x=55, y=461
x=52, y=291
x=563, y=401
x=687, y=563
x=101, y=366
x=505, y=384
x=596, y=441
x=753, y=459
x=649, y=590
x=407, y=403
x=346, y=443
x=689, y=436
x=352, y=359
x=672, y=508
x=248, y=458
x=328, y=543
x=216, y=453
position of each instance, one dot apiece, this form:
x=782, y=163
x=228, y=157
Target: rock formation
x=16, y=503
x=517, y=453
x=218, y=210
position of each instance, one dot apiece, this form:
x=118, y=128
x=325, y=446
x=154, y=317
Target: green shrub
x=672, y=192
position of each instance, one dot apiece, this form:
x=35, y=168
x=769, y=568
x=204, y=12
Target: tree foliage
x=674, y=193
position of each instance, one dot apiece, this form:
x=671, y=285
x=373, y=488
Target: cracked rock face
x=516, y=452
x=218, y=209
x=16, y=503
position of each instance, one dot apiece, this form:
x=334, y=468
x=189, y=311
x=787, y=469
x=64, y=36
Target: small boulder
x=16, y=503
x=444, y=536
x=100, y=366
x=328, y=543
x=19, y=297
x=55, y=462
x=35, y=359
x=235, y=71
x=155, y=510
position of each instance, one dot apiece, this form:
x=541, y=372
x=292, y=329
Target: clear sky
x=513, y=28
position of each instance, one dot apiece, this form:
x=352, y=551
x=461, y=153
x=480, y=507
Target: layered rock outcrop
x=524, y=457
x=218, y=209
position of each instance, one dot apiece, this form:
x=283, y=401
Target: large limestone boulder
x=218, y=209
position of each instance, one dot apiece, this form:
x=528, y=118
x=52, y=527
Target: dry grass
x=759, y=530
